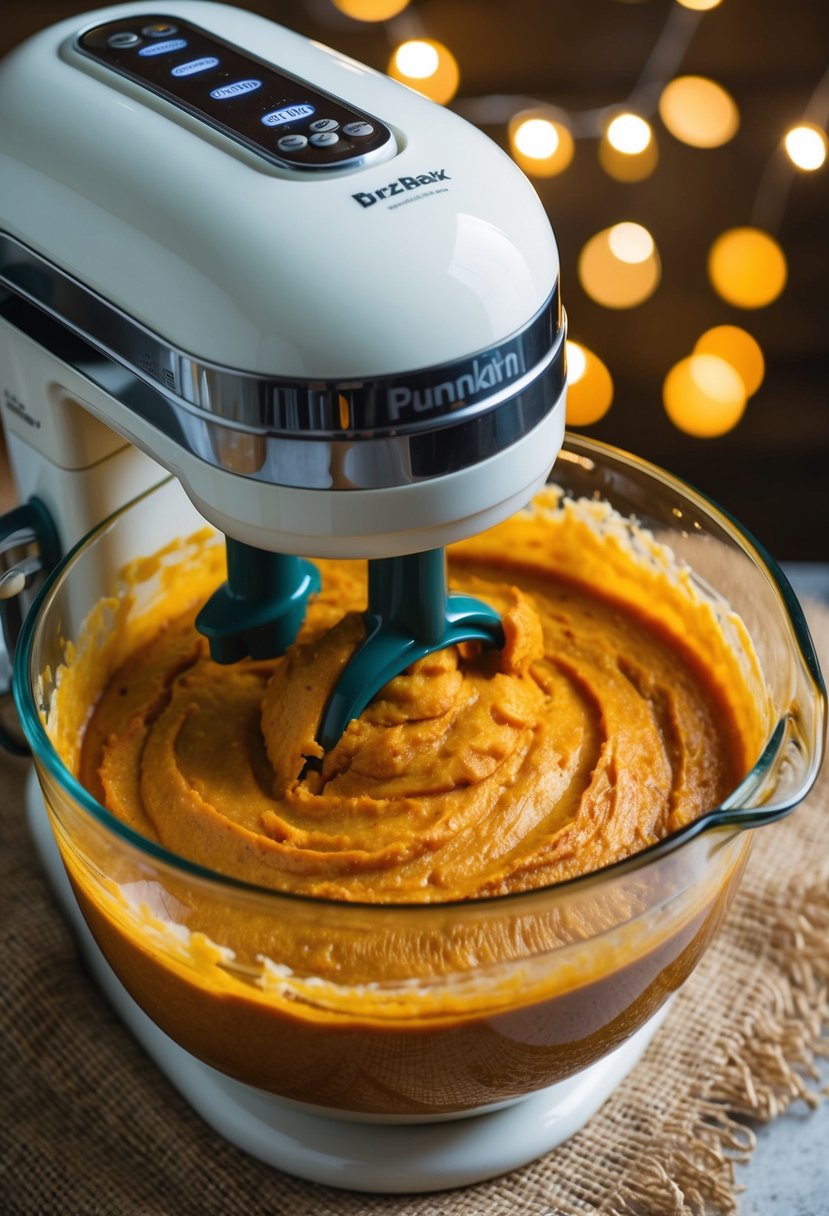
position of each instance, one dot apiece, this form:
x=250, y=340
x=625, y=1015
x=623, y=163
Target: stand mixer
x=331, y=362
x=332, y=310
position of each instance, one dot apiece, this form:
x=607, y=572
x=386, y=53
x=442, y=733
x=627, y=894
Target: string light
x=537, y=138
x=540, y=143
x=428, y=67
x=806, y=146
x=629, y=133
x=576, y=363
x=619, y=266
x=589, y=386
x=417, y=59
x=699, y=111
x=704, y=396
x=738, y=348
x=630, y=243
x=371, y=10
x=628, y=150
x=747, y=267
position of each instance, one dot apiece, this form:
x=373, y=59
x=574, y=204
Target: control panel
x=282, y=118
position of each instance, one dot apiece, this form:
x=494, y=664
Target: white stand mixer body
x=438, y=252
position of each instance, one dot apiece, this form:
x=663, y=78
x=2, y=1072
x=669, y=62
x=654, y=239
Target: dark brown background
x=771, y=471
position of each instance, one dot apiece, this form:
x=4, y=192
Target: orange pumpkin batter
x=595, y=731
x=625, y=703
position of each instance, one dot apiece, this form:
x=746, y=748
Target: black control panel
x=279, y=116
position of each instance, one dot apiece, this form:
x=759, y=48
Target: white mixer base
x=357, y=1156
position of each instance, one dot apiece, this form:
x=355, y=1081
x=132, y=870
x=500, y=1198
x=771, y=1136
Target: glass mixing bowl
x=479, y=1002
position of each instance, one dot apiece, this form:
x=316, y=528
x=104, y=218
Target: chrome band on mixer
x=367, y=434
x=277, y=404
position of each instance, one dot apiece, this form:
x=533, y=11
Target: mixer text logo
x=481, y=378
x=367, y=198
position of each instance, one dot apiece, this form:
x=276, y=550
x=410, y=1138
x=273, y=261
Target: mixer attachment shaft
x=260, y=609
x=410, y=614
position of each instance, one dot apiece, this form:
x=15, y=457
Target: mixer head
x=330, y=307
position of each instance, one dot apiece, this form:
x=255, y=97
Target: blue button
x=195, y=65
x=236, y=89
x=163, y=48
x=277, y=118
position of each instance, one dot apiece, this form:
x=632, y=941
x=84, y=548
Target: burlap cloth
x=88, y=1125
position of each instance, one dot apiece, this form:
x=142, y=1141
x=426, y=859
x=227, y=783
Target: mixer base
x=385, y=1157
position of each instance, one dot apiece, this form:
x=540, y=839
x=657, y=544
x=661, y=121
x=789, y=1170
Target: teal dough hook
x=410, y=613
x=261, y=607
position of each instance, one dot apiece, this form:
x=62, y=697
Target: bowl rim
x=734, y=814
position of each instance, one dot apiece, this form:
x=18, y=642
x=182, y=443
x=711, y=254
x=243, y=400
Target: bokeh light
x=417, y=59
x=738, y=348
x=540, y=143
x=629, y=133
x=576, y=362
x=589, y=386
x=698, y=111
x=619, y=267
x=371, y=10
x=806, y=146
x=747, y=267
x=628, y=151
x=630, y=242
x=537, y=138
x=428, y=67
x=704, y=396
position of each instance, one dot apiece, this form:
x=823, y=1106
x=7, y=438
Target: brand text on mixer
x=367, y=198
x=480, y=378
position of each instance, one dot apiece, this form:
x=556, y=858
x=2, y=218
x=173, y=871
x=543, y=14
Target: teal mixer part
x=410, y=614
x=260, y=610
x=261, y=607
